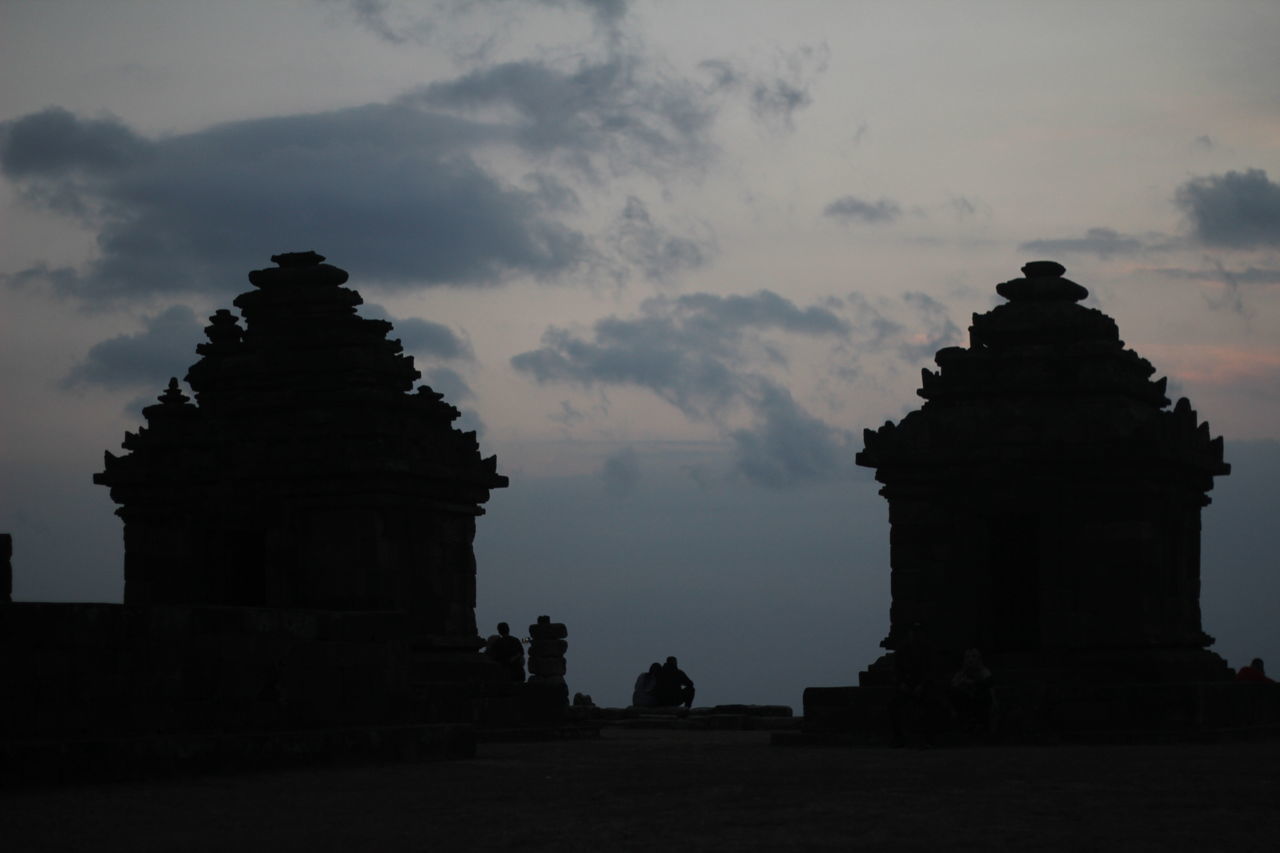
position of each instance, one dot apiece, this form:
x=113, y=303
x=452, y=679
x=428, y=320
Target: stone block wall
x=94, y=670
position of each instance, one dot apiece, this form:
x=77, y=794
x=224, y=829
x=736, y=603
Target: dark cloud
x=788, y=445
x=1103, y=242
x=852, y=209
x=55, y=142
x=165, y=347
x=621, y=472
x=1238, y=210
x=647, y=246
x=422, y=337
x=706, y=355
x=382, y=190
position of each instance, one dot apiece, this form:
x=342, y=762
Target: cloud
x=1238, y=210
x=912, y=328
x=1103, y=242
x=448, y=382
x=606, y=117
x=685, y=349
x=376, y=17
x=471, y=180
x=650, y=248
x=962, y=207
x=1248, y=276
x=708, y=356
x=422, y=337
x=165, y=347
x=621, y=472
x=383, y=190
x=568, y=415
x=608, y=14
x=849, y=209
x=788, y=445
x=937, y=330
x=55, y=141
x=1232, y=295
x=774, y=97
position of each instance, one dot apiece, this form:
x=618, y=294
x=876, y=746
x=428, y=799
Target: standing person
x=506, y=651
x=674, y=687
x=645, y=693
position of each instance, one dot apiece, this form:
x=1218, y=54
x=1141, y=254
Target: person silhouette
x=674, y=687
x=506, y=651
x=972, y=694
x=645, y=692
x=1254, y=673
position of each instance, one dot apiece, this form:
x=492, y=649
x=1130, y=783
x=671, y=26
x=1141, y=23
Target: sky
x=670, y=259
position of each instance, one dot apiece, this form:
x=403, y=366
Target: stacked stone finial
x=304, y=474
x=547, y=649
x=1045, y=500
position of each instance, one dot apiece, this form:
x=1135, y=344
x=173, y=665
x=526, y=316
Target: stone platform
x=1047, y=712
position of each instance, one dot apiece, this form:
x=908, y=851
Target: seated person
x=972, y=694
x=674, y=687
x=1254, y=673
x=645, y=693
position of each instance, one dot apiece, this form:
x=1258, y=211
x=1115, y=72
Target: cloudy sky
x=670, y=258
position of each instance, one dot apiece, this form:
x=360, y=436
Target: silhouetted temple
x=1044, y=503
x=304, y=475
x=1044, y=509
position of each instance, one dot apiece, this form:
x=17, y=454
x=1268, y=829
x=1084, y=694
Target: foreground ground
x=650, y=790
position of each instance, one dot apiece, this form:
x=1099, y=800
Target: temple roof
x=1044, y=380
x=308, y=390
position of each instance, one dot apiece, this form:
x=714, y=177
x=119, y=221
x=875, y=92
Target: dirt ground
x=690, y=791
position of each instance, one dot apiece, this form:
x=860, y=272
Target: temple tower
x=1045, y=501
x=305, y=474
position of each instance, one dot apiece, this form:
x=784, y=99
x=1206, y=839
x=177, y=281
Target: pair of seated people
x=663, y=685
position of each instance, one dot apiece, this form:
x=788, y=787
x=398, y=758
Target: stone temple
x=299, y=575
x=1044, y=502
x=305, y=474
x=1044, y=508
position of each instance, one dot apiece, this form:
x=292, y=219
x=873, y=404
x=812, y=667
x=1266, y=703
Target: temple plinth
x=307, y=473
x=1044, y=502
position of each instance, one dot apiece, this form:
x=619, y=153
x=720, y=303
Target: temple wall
x=86, y=670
